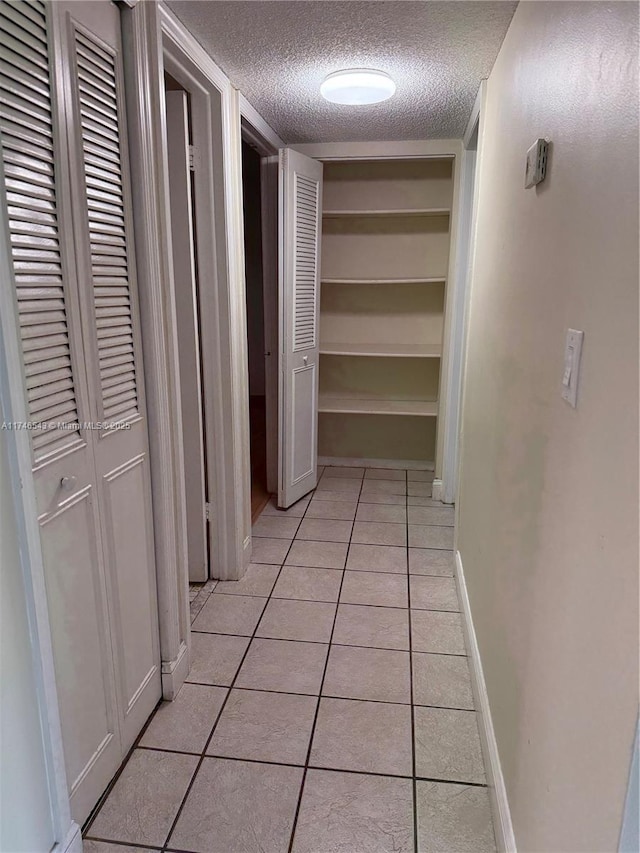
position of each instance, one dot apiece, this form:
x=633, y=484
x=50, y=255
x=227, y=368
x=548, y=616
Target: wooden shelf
x=376, y=350
x=435, y=280
x=386, y=214
x=350, y=405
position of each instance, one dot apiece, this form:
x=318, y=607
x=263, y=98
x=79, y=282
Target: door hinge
x=208, y=511
x=193, y=158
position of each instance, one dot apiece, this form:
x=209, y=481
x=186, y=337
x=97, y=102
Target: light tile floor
x=329, y=705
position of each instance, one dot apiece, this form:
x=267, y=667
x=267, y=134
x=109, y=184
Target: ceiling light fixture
x=357, y=87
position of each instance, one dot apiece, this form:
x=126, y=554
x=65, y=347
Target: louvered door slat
x=28, y=158
x=305, y=262
x=100, y=118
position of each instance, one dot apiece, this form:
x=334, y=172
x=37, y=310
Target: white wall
x=548, y=504
x=25, y=816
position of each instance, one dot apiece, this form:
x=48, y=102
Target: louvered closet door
x=35, y=183
x=102, y=208
x=301, y=225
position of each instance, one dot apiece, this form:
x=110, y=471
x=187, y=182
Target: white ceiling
x=278, y=52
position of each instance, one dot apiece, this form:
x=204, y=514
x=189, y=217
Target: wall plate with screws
x=536, y=163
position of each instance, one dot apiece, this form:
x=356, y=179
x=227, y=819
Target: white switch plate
x=536, y=168
x=571, y=373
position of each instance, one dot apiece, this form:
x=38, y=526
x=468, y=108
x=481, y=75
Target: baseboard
x=72, y=843
x=174, y=673
x=505, y=839
x=354, y=462
x=437, y=491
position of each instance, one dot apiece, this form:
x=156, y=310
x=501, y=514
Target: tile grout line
x=294, y=825
x=413, y=710
x=203, y=754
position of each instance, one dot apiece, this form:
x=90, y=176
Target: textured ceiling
x=278, y=52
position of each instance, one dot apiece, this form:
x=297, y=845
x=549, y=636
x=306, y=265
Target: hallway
x=351, y=599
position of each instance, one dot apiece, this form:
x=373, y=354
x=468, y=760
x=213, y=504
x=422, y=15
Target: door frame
x=452, y=149
x=267, y=143
x=215, y=117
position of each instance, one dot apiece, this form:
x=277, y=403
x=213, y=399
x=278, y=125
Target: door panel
x=301, y=221
x=100, y=185
x=76, y=594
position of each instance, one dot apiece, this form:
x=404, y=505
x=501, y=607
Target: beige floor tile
x=442, y=515
x=431, y=561
x=346, y=472
x=420, y=476
x=319, y=555
x=383, y=487
x=448, y=745
x=264, y=727
x=422, y=500
x=375, y=627
x=442, y=681
x=385, y=474
x=145, y=800
x=215, y=658
x=417, y=489
x=269, y=550
x=308, y=584
x=275, y=527
x=368, y=674
x=381, y=512
x=325, y=530
x=230, y=614
x=383, y=498
x=326, y=494
x=257, y=580
x=437, y=632
x=427, y=536
x=376, y=588
x=238, y=806
x=185, y=723
x=341, y=510
x=354, y=813
x=454, y=817
x=374, y=533
x=429, y=593
x=372, y=737
x=89, y=846
x=283, y=665
x=338, y=484
x=295, y=511
x=297, y=620
x=377, y=558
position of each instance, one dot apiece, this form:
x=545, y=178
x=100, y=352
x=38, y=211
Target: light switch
x=572, y=355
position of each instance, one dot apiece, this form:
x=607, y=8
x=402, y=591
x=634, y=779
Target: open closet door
x=300, y=228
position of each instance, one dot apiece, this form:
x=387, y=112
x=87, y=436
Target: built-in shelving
x=374, y=350
x=351, y=405
x=386, y=214
x=389, y=281
x=385, y=259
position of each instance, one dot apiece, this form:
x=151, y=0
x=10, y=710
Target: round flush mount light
x=357, y=87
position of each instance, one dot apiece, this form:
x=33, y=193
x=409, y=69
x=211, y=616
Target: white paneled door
x=66, y=180
x=300, y=234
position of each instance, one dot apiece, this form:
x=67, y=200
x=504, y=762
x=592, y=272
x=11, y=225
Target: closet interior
x=385, y=257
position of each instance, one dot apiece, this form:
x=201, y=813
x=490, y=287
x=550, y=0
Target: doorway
x=260, y=221
x=180, y=161
x=257, y=351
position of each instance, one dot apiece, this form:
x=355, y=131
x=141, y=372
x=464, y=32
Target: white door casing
x=184, y=274
x=300, y=234
x=74, y=279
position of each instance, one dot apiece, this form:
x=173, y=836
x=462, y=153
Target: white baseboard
x=72, y=843
x=354, y=462
x=505, y=839
x=174, y=673
x=437, y=492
